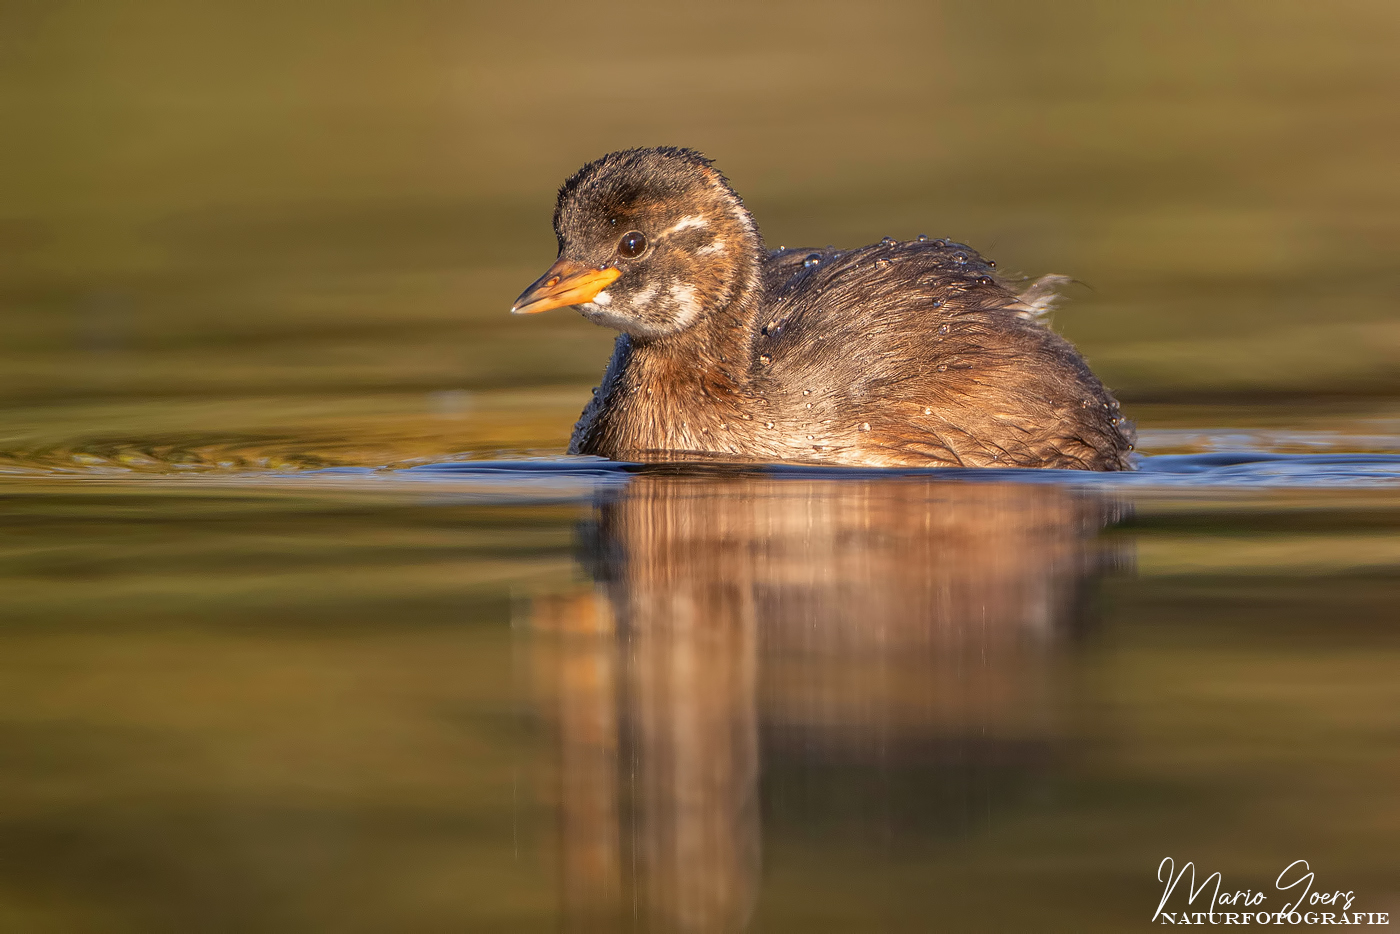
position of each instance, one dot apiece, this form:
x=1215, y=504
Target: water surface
x=306, y=625
x=515, y=695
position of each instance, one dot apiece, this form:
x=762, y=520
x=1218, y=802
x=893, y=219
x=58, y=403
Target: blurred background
x=244, y=239
x=289, y=233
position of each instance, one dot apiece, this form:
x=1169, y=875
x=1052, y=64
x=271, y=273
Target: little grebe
x=900, y=354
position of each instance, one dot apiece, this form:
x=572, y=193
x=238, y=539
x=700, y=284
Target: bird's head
x=650, y=240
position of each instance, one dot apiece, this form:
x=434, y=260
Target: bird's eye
x=632, y=244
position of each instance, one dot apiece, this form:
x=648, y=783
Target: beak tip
x=565, y=284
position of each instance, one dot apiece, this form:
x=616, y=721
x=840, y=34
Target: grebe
x=899, y=354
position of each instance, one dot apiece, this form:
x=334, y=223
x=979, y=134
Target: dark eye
x=632, y=244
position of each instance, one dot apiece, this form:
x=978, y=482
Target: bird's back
x=914, y=353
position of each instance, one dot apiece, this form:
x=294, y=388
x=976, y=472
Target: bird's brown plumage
x=910, y=354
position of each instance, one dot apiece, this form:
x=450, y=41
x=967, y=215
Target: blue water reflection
x=579, y=477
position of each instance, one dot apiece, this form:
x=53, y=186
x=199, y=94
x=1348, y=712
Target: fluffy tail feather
x=1040, y=296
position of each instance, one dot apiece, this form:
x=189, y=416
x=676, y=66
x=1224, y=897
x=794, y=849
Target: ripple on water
x=580, y=478
x=1239, y=459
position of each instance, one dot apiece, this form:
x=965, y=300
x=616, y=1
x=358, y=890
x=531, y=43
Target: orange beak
x=566, y=283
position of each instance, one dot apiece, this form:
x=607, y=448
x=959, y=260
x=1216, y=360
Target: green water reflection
x=243, y=240
x=695, y=704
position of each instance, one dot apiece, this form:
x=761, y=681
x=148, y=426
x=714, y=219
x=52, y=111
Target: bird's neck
x=718, y=350
x=685, y=392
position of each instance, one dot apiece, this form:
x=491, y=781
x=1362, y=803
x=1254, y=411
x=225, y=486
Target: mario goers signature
x=1246, y=906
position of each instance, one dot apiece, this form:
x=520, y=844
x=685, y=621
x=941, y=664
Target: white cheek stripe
x=685, y=223
x=716, y=247
x=684, y=297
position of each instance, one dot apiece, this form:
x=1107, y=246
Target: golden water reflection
x=734, y=617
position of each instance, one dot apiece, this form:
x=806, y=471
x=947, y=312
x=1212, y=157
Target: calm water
x=305, y=625
x=515, y=696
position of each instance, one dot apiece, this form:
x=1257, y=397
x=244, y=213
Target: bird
x=904, y=353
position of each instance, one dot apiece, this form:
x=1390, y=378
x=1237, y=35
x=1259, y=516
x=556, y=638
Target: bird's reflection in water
x=750, y=621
